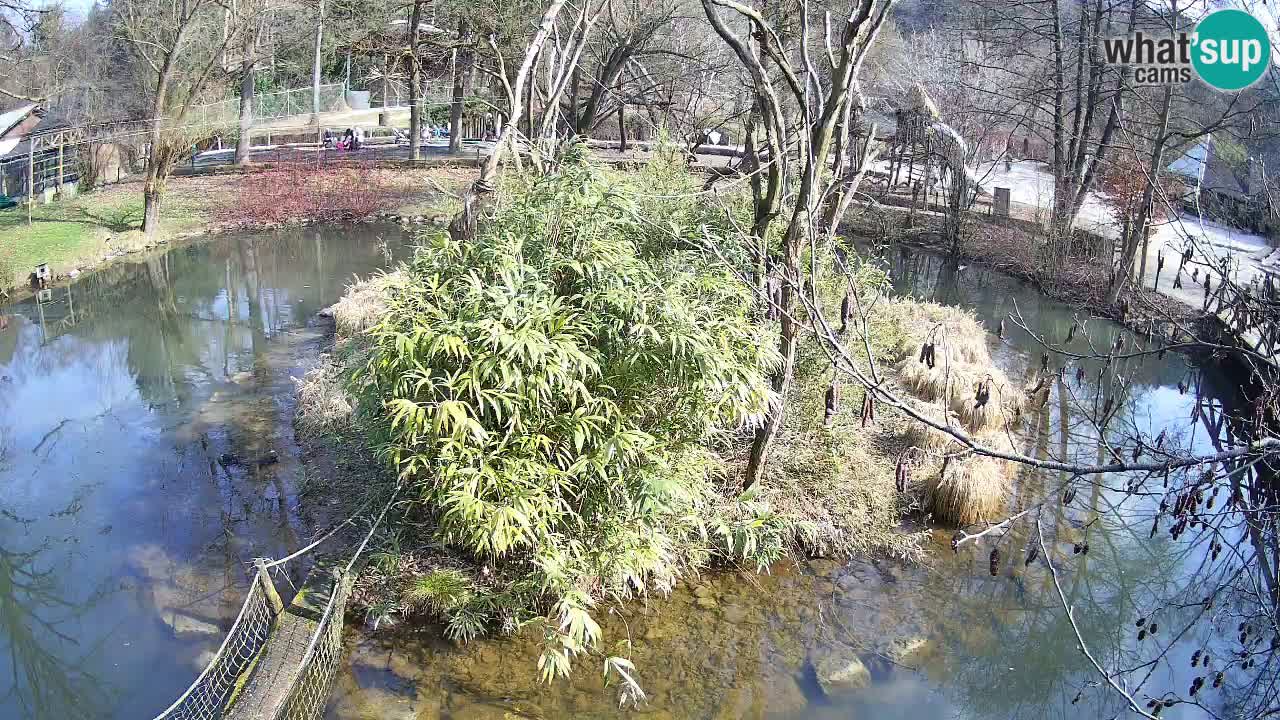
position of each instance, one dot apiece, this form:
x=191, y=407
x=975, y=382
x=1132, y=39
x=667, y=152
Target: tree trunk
x=415, y=82
x=463, y=226
x=575, y=80
x=1138, y=230
x=386, y=87
x=152, y=188
x=157, y=158
x=787, y=338
x=243, y=146
x=461, y=57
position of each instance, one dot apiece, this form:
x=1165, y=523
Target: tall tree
x=180, y=46
x=829, y=105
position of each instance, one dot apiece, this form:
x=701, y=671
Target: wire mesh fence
x=44, y=171
x=310, y=691
x=283, y=103
x=207, y=697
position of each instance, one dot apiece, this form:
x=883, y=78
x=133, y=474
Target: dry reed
x=997, y=412
x=364, y=304
x=967, y=490
x=323, y=401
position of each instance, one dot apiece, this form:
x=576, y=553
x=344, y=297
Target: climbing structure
x=930, y=151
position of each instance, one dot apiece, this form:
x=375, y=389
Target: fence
x=45, y=171
x=207, y=697
x=283, y=103
x=310, y=691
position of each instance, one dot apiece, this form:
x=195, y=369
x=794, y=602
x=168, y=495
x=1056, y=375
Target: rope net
x=306, y=699
x=207, y=697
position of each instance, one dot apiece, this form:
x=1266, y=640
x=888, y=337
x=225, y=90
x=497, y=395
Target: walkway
x=277, y=662
x=276, y=671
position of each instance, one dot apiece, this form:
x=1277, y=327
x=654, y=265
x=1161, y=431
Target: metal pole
x=31, y=177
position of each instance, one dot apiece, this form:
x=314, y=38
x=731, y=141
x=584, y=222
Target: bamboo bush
x=556, y=391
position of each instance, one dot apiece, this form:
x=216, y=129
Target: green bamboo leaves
x=555, y=387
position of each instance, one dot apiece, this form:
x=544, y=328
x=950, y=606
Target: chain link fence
x=283, y=103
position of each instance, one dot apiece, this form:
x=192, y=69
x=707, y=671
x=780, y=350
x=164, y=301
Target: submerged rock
x=840, y=671
x=904, y=648
x=187, y=625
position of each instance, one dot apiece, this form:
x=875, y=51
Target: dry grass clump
x=962, y=374
x=364, y=304
x=323, y=401
x=958, y=487
x=956, y=333
x=966, y=491
x=988, y=405
x=930, y=439
x=931, y=384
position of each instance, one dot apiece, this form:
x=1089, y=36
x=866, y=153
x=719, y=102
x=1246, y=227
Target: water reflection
x=984, y=646
x=124, y=525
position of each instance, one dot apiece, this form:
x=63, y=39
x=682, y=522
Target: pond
x=742, y=645
x=147, y=456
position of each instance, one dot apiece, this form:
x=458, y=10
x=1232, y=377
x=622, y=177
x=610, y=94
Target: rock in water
x=840, y=671
x=188, y=625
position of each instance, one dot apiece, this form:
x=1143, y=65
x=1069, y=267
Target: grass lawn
x=82, y=231
x=59, y=232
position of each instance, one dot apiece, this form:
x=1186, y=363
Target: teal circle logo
x=1232, y=50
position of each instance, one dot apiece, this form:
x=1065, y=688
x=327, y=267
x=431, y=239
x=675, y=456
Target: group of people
x=428, y=133
x=350, y=140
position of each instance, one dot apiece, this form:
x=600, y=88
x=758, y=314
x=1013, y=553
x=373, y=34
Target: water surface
x=747, y=646
x=135, y=408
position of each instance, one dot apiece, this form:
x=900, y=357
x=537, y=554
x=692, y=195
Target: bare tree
x=181, y=45
x=831, y=105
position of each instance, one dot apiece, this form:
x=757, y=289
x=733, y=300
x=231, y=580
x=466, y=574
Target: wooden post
x=269, y=587
x=622, y=127
x=60, y=176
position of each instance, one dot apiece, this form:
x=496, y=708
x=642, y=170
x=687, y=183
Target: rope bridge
x=278, y=662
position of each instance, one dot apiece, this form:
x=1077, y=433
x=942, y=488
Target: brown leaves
x=928, y=354
x=982, y=392
x=902, y=472
x=832, y=402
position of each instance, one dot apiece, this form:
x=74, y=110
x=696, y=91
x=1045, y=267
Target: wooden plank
x=273, y=675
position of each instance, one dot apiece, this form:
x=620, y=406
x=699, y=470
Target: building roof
x=1192, y=163
x=10, y=120
x=1205, y=166
x=1222, y=178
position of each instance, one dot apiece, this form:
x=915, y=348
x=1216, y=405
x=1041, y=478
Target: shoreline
x=403, y=199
